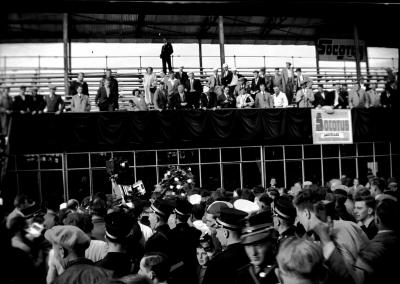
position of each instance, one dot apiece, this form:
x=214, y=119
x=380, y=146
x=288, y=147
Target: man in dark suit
x=185, y=239
x=181, y=75
x=193, y=90
x=178, y=100
x=21, y=101
x=107, y=98
x=222, y=268
x=160, y=241
x=322, y=97
x=79, y=82
x=165, y=55
x=227, y=75
x=341, y=97
x=208, y=100
x=255, y=83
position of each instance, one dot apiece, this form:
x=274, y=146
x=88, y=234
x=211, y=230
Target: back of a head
x=159, y=264
x=135, y=279
x=20, y=199
x=387, y=212
x=369, y=201
x=73, y=204
x=247, y=194
x=380, y=183
x=80, y=220
x=198, y=211
x=300, y=259
x=99, y=207
x=306, y=198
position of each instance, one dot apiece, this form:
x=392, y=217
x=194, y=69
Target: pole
x=65, y=41
x=69, y=56
x=200, y=57
x=221, y=39
x=357, y=47
x=317, y=62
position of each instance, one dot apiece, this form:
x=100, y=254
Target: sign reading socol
x=339, y=49
x=332, y=127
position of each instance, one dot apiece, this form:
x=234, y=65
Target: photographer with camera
x=340, y=240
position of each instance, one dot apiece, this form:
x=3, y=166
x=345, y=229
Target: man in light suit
x=357, y=97
x=214, y=80
x=278, y=80
x=226, y=75
x=287, y=79
x=300, y=78
x=80, y=102
x=304, y=96
x=263, y=98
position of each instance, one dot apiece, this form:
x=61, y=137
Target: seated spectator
x=69, y=245
x=300, y=261
x=357, y=97
x=208, y=100
x=21, y=101
x=79, y=82
x=214, y=80
x=373, y=97
x=193, y=90
x=378, y=261
x=139, y=101
x=155, y=266
x=304, y=96
x=263, y=98
x=241, y=85
x=107, y=96
x=54, y=103
x=244, y=99
x=160, y=97
x=163, y=78
x=80, y=102
x=178, y=100
x=364, y=212
x=225, y=99
x=280, y=99
x=300, y=78
x=322, y=97
x=172, y=85
x=37, y=102
x=118, y=227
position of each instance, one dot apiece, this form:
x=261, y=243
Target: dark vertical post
x=357, y=47
x=317, y=62
x=65, y=42
x=221, y=39
x=200, y=57
x=69, y=55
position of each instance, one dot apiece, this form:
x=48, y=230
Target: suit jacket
x=75, y=84
x=140, y=103
x=285, y=77
x=298, y=82
x=320, y=100
x=113, y=84
x=102, y=99
x=54, y=104
x=166, y=50
x=172, y=87
x=264, y=100
x=160, y=99
x=389, y=98
x=182, y=78
x=343, y=100
x=225, y=102
x=305, y=100
x=213, y=81
x=208, y=102
x=196, y=85
x=160, y=241
x=357, y=98
x=226, y=78
x=80, y=104
x=175, y=102
x=255, y=87
x=20, y=104
x=373, y=98
x=37, y=103
x=277, y=81
x=222, y=268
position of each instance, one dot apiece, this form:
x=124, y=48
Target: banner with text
x=339, y=49
x=332, y=127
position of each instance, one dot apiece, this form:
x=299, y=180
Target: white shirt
x=234, y=81
x=336, y=102
x=146, y=230
x=289, y=73
x=280, y=100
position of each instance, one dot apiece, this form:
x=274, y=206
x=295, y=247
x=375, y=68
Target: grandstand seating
x=130, y=78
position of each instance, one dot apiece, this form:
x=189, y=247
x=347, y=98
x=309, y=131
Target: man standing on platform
x=107, y=98
x=263, y=98
x=304, y=96
x=280, y=99
x=80, y=102
x=113, y=82
x=37, y=103
x=54, y=103
x=255, y=83
x=79, y=82
x=193, y=89
x=165, y=55
x=181, y=76
x=226, y=75
x=278, y=80
x=287, y=79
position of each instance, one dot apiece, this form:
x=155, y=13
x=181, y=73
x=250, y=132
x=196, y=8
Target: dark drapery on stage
x=112, y=131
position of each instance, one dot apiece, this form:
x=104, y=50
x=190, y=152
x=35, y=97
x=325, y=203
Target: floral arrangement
x=177, y=180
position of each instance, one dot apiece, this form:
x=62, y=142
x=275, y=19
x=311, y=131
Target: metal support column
x=200, y=57
x=317, y=62
x=221, y=39
x=65, y=42
x=357, y=48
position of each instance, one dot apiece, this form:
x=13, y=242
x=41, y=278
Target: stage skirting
x=116, y=131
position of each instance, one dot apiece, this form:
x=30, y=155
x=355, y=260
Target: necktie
x=191, y=84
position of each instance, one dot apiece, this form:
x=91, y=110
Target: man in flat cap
x=259, y=240
x=69, y=245
x=54, y=102
x=222, y=268
x=185, y=240
x=160, y=241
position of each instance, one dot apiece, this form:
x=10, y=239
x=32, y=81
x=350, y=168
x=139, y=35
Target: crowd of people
x=343, y=232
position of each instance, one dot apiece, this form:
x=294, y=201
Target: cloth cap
x=35, y=88
x=162, y=207
x=224, y=65
x=80, y=220
x=242, y=79
x=183, y=207
x=246, y=206
x=284, y=208
x=69, y=237
x=258, y=228
x=118, y=225
x=216, y=207
x=231, y=219
x=195, y=199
